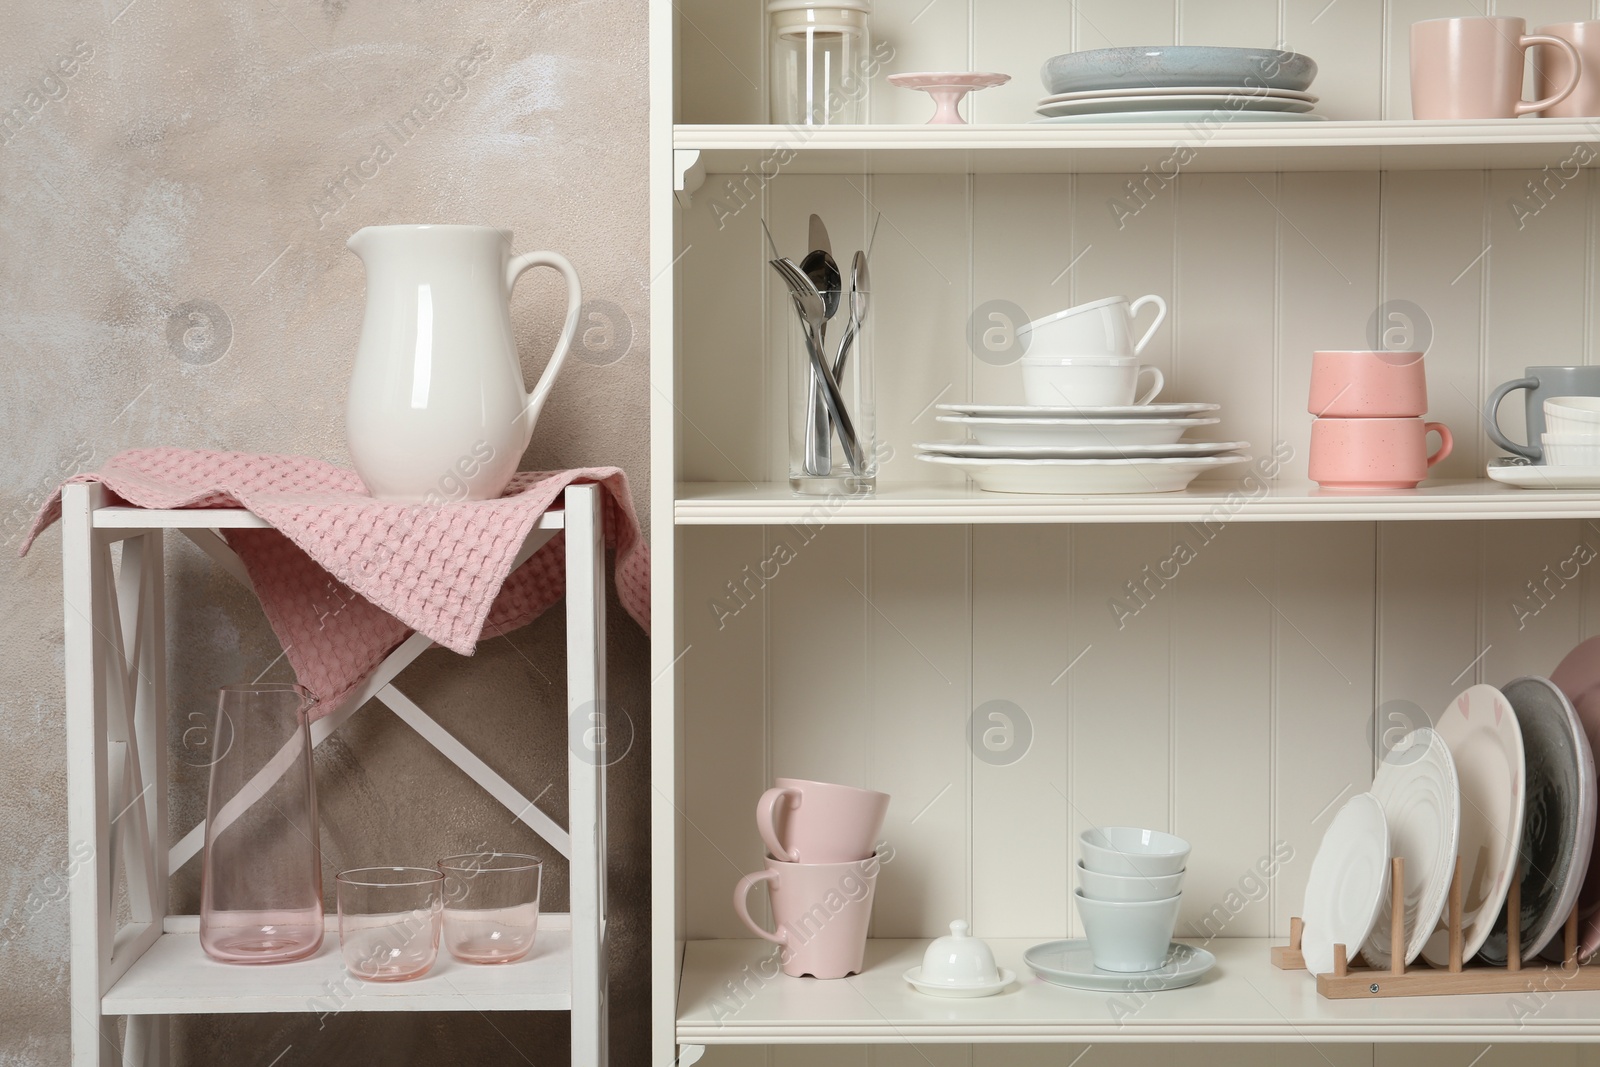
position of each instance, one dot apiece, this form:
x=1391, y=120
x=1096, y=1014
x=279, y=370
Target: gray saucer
x=1174, y=66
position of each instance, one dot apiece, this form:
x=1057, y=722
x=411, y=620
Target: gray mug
x=1542, y=383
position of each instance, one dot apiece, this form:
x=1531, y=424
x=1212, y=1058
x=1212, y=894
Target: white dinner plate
x=1122, y=411
x=1076, y=432
x=1485, y=741
x=1070, y=963
x=1416, y=784
x=1531, y=476
x=1215, y=117
x=1172, y=451
x=1192, y=102
x=1084, y=477
x=1182, y=90
x=1348, y=882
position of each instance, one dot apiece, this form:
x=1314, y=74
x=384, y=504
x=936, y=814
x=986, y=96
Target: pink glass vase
x=261, y=886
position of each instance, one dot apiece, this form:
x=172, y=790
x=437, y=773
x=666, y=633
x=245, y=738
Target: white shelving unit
x=1232, y=694
x=152, y=967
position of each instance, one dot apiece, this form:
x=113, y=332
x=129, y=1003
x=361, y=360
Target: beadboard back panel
x=1010, y=686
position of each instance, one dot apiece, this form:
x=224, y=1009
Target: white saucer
x=1180, y=118
x=1181, y=90
x=1125, y=411
x=1070, y=963
x=1529, y=476
x=1114, y=433
x=940, y=989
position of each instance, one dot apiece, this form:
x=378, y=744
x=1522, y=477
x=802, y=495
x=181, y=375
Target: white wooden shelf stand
x=151, y=967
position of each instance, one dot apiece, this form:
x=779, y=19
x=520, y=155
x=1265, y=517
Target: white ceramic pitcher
x=437, y=408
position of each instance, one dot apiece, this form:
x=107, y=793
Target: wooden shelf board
x=1245, y=999
x=1211, y=503
x=221, y=519
x=175, y=977
x=1128, y=147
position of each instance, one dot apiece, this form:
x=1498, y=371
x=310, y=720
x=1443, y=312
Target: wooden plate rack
x=1351, y=979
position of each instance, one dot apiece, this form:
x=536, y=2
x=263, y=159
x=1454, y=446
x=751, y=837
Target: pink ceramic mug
x=819, y=822
x=1555, y=68
x=1472, y=68
x=1368, y=385
x=821, y=911
x=1374, y=453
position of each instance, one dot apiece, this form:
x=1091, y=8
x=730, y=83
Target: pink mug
x=1374, y=453
x=1368, y=385
x=1555, y=68
x=1472, y=68
x=819, y=822
x=821, y=911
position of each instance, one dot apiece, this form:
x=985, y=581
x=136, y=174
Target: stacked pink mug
x=821, y=874
x=1369, y=433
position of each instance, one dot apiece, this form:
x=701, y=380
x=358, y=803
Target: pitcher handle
x=555, y=261
x=1491, y=419
x=1161, y=316
x=741, y=904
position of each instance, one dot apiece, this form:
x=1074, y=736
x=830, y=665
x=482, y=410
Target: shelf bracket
x=688, y=174
x=689, y=1055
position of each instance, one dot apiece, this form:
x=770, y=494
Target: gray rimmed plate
x=1560, y=802
x=1168, y=65
x=1070, y=963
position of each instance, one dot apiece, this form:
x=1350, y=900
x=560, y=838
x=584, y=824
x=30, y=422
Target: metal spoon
x=810, y=307
x=819, y=266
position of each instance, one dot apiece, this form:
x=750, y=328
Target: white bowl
x=1571, y=450
x=1128, y=936
x=1097, y=885
x=1566, y=416
x=1132, y=851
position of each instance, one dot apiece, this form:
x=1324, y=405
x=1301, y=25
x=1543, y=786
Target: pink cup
x=1472, y=68
x=1374, y=453
x=819, y=822
x=1555, y=68
x=821, y=911
x=1368, y=385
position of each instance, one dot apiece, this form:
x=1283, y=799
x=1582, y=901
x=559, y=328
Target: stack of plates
x=1178, y=83
x=1081, y=450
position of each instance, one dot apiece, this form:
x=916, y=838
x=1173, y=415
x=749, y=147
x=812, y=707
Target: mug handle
x=556, y=262
x=766, y=822
x=1154, y=372
x=1527, y=41
x=741, y=903
x=1446, y=442
x=1491, y=419
x=1161, y=316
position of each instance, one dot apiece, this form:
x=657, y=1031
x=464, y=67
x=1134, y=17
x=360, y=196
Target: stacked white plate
x=1179, y=104
x=1019, y=448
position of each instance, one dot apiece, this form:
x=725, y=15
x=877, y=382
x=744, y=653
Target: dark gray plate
x=1561, y=800
x=1175, y=65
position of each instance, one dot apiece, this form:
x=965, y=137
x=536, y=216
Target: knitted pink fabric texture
x=344, y=578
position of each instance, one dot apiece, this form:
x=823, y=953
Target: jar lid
x=803, y=5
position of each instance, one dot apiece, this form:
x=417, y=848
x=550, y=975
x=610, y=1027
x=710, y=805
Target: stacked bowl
x=1129, y=886
x=1572, y=431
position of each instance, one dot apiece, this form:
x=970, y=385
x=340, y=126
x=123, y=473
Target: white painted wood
x=1348, y=40
x=212, y=544
x=120, y=518
x=924, y=36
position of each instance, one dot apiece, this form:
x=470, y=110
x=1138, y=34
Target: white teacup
x=1101, y=327
x=1572, y=450
x=1128, y=936
x=1087, y=381
x=1571, y=416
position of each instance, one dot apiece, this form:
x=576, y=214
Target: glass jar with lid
x=820, y=51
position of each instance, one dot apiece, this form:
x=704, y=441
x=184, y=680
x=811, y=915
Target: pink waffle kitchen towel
x=344, y=578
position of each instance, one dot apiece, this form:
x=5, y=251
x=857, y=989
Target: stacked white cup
x=1572, y=431
x=1085, y=356
x=1129, y=887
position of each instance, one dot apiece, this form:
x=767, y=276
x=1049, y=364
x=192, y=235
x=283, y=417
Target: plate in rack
x=1578, y=677
x=1416, y=784
x=1349, y=881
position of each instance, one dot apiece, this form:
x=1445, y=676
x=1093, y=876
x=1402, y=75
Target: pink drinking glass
x=261, y=879
x=389, y=921
x=491, y=911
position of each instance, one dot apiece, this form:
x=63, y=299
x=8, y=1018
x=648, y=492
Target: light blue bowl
x=1171, y=66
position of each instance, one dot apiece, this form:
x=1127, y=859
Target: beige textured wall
x=174, y=201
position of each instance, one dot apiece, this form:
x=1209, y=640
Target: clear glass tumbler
x=261, y=878
x=820, y=61
x=491, y=910
x=389, y=919
x=819, y=462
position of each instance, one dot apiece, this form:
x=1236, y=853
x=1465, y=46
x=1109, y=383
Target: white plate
x=1184, y=90
x=1528, y=476
x=1348, y=882
x=1416, y=784
x=1070, y=963
x=1485, y=742
x=1076, y=432
x=1084, y=477
x=1124, y=411
x=1173, y=451
x=1192, y=102
x=964, y=992
x=1184, y=118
